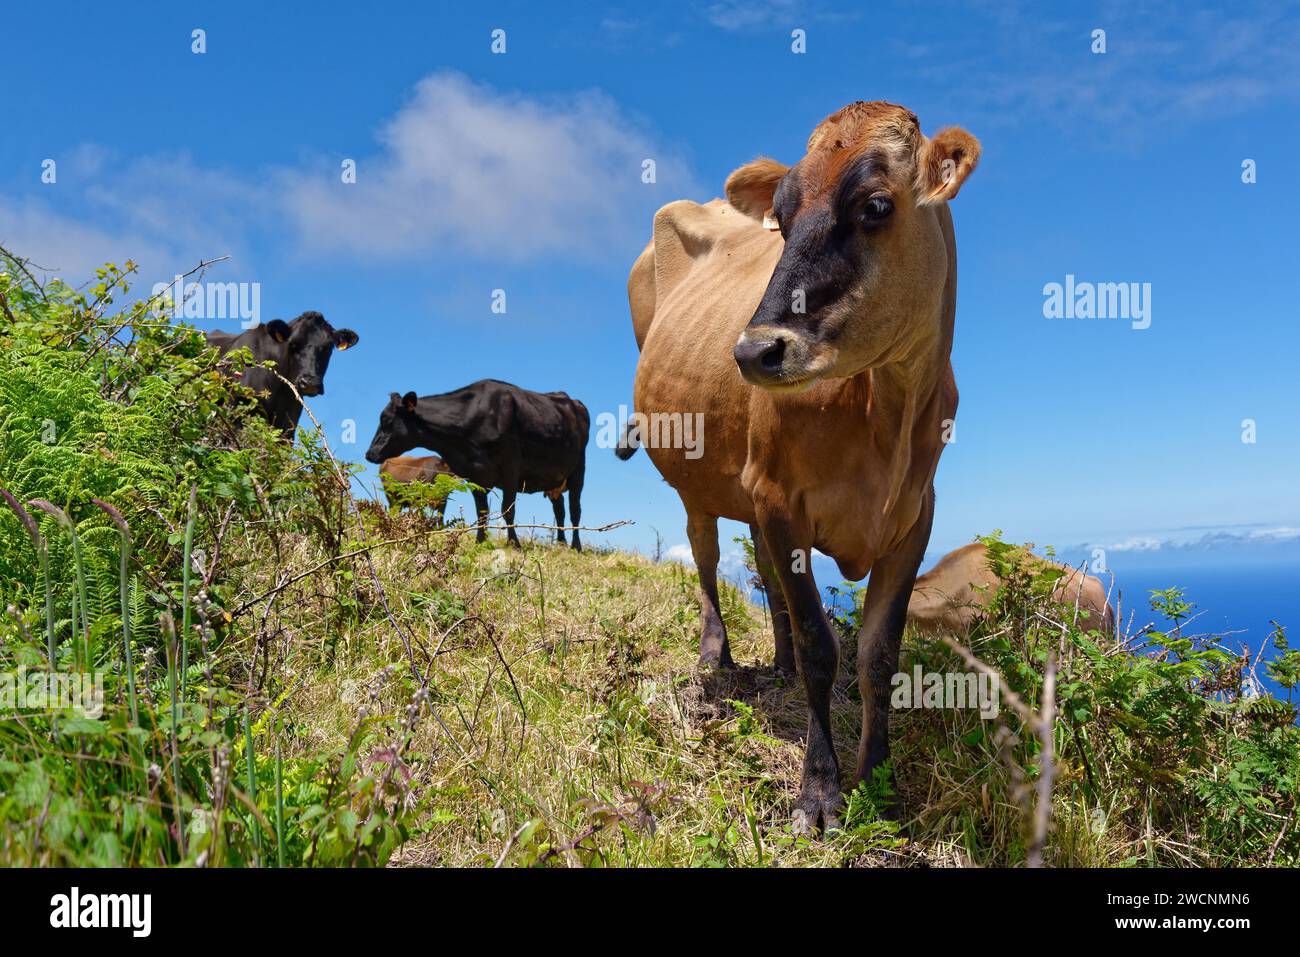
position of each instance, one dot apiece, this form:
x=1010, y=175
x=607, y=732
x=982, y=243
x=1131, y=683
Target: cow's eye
x=877, y=210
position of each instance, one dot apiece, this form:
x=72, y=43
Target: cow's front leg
x=508, y=514
x=817, y=652
x=702, y=530
x=785, y=662
x=884, y=614
x=557, y=506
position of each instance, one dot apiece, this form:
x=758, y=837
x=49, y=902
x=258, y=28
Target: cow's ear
x=750, y=189
x=344, y=339
x=408, y=401
x=278, y=330
x=946, y=160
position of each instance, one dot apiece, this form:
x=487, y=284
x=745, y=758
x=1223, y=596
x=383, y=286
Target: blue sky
x=479, y=171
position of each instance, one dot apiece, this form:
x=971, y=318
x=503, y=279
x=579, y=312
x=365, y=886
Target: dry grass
x=568, y=722
x=564, y=697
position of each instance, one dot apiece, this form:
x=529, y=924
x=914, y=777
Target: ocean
x=1237, y=590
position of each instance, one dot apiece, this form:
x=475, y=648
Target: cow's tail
x=628, y=443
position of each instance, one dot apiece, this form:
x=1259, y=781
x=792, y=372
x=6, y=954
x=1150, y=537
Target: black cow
x=496, y=435
x=301, y=350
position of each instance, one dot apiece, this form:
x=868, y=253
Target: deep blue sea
x=1237, y=600
x=1237, y=589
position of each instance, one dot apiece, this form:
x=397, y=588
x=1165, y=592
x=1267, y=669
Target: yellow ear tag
x=770, y=223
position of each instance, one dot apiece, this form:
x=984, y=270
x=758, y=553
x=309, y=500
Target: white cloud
x=468, y=168
x=680, y=554
x=460, y=169
x=1136, y=544
x=731, y=564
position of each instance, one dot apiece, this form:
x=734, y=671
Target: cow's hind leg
x=481, y=510
x=702, y=530
x=884, y=613
x=776, y=602
x=818, y=653
x=508, y=495
x=575, y=483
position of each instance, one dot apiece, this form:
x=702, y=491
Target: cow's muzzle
x=776, y=358
x=311, y=387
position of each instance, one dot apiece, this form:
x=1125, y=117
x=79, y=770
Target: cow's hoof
x=814, y=815
x=716, y=661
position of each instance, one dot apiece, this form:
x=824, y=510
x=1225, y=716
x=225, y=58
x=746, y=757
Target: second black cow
x=301, y=350
x=496, y=435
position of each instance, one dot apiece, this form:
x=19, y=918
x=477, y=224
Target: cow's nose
x=760, y=358
x=311, y=387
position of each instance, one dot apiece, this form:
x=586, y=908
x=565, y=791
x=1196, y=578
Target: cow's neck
x=439, y=427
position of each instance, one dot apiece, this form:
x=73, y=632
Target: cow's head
x=306, y=345
x=397, y=432
x=864, y=260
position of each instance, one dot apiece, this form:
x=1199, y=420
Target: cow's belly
x=703, y=488
x=696, y=439
x=687, y=369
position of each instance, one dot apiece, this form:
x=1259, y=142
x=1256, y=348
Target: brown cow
x=832, y=286
x=958, y=589
x=400, y=470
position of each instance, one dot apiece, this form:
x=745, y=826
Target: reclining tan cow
x=809, y=318
x=398, y=472
x=958, y=589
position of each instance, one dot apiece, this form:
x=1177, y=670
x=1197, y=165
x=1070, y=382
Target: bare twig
x=1027, y=714
x=317, y=567
x=1046, y=765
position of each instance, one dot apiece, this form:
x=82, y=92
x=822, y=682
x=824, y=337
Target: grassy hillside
x=295, y=678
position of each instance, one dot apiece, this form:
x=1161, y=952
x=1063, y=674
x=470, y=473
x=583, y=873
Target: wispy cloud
x=750, y=15
x=70, y=248
x=164, y=211
x=1163, y=64
x=1224, y=537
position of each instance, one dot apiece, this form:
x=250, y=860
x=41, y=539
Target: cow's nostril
x=761, y=355
x=773, y=356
